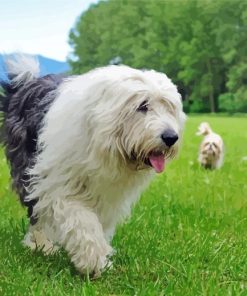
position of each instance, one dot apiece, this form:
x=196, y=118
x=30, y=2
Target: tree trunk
x=211, y=89
x=212, y=100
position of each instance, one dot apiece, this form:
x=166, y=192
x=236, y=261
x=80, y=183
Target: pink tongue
x=157, y=162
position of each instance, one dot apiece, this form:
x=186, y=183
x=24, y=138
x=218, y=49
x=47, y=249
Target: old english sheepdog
x=83, y=148
x=211, y=152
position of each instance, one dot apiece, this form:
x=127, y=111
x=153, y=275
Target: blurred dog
x=211, y=153
x=83, y=148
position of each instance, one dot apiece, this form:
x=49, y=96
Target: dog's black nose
x=169, y=137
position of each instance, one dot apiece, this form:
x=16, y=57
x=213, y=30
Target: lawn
x=187, y=235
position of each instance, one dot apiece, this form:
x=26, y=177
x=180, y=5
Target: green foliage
x=198, y=106
x=200, y=44
x=186, y=236
x=227, y=102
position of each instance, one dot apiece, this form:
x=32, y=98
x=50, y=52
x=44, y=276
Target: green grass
x=187, y=235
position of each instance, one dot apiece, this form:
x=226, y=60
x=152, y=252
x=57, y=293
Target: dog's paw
x=107, y=266
x=93, y=260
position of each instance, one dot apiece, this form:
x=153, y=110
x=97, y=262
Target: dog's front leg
x=81, y=234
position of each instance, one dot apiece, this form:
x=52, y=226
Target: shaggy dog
x=83, y=148
x=211, y=153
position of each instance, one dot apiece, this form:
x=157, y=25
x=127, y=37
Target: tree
x=231, y=36
x=200, y=44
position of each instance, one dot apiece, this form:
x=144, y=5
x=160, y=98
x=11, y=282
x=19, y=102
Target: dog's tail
x=20, y=69
x=204, y=129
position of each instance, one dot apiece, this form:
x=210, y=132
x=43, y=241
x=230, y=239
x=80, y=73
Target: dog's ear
x=220, y=146
x=218, y=150
x=203, y=147
x=203, y=129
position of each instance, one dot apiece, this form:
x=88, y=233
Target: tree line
x=200, y=44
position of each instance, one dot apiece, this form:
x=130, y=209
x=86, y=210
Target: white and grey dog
x=83, y=148
x=211, y=152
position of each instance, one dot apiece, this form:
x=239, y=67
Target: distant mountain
x=47, y=66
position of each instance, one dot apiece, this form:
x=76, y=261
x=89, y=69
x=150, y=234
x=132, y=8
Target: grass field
x=187, y=235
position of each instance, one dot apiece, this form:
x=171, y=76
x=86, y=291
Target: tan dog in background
x=211, y=153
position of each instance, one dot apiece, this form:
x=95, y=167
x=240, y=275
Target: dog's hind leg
x=36, y=239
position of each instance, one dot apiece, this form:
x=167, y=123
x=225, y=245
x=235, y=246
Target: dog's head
x=211, y=147
x=139, y=116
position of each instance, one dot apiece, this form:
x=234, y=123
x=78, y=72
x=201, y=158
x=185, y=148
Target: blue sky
x=39, y=26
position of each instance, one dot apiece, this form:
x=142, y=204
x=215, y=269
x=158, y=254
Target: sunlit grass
x=187, y=235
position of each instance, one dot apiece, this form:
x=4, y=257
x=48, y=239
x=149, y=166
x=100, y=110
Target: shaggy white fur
x=103, y=138
x=211, y=152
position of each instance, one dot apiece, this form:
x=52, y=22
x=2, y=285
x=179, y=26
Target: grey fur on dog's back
x=25, y=101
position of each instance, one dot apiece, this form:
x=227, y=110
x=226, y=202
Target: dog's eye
x=143, y=107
